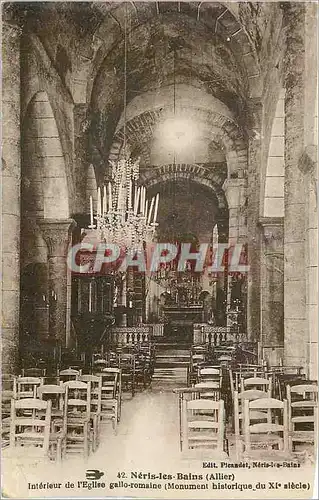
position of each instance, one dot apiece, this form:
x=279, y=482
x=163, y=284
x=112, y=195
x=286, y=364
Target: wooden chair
x=26, y=387
x=33, y=372
x=55, y=394
x=127, y=366
x=236, y=375
x=188, y=394
x=291, y=375
x=266, y=440
x=303, y=415
x=111, y=389
x=238, y=414
x=197, y=358
x=77, y=416
x=69, y=374
x=98, y=365
x=210, y=390
x=257, y=383
x=7, y=393
x=30, y=426
x=143, y=366
x=95, y=412
x=147, y=350
x=252, y=368
x=203, y=425
x=113, y=358
x=209, y=374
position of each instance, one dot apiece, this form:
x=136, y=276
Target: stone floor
x=146, y=441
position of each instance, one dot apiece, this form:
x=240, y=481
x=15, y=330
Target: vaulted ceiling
x=211, y=49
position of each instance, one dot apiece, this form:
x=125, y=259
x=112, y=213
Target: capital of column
x=57, y=235
x=272, y=230
x=235, y=192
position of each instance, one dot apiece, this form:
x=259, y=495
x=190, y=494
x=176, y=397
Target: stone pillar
x=235, y=191
x=272, y=290
x=309, y=166
x=235, y=195
x=11, y=176
x=295, y=336
x=57, y=235
x=253, y=231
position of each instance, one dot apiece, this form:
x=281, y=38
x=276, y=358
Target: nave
x=185, y=134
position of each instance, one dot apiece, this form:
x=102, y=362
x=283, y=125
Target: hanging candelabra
x=124, y=215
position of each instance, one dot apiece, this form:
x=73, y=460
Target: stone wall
x=11, y=177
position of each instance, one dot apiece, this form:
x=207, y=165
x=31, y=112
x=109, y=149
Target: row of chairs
x=136, y=362
x=292, y=419
x=283, y=383
x=74, y=410
x=297, y=421
x=206, y=355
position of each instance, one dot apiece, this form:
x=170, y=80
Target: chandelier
x=124, y=215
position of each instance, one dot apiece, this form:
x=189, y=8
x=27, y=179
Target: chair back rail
x=238, y=413
x=270, y=435
x=203, y=425
x=27, y=426
x=302, y=414
x=26, y=387
x=33, y=372
x=209, y=390
x=256, y=383
x=69, y=374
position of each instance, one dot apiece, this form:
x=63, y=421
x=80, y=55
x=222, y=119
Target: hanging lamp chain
x=125, y=78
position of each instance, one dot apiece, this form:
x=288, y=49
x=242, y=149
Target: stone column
x=295, y=336
x=309, y=165
x=57, y=235
x=253, y=231
x=11, y=176
x=272, y=290
x=235, y=191
x=235, y=195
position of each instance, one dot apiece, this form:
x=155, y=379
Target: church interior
x=147, y=123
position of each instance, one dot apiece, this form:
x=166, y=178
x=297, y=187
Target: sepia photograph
x=159, y=249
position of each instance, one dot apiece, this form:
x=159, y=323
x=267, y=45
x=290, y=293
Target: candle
x=146, y=209
x=99, y=201
x=156, y=208
x=150, y=212
x=137, y=199
x=91, y=210
x=130, y=195
x=110, y=196
x=143, y=200
x=119, y=200
x=90, y=297
x=104, y=200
